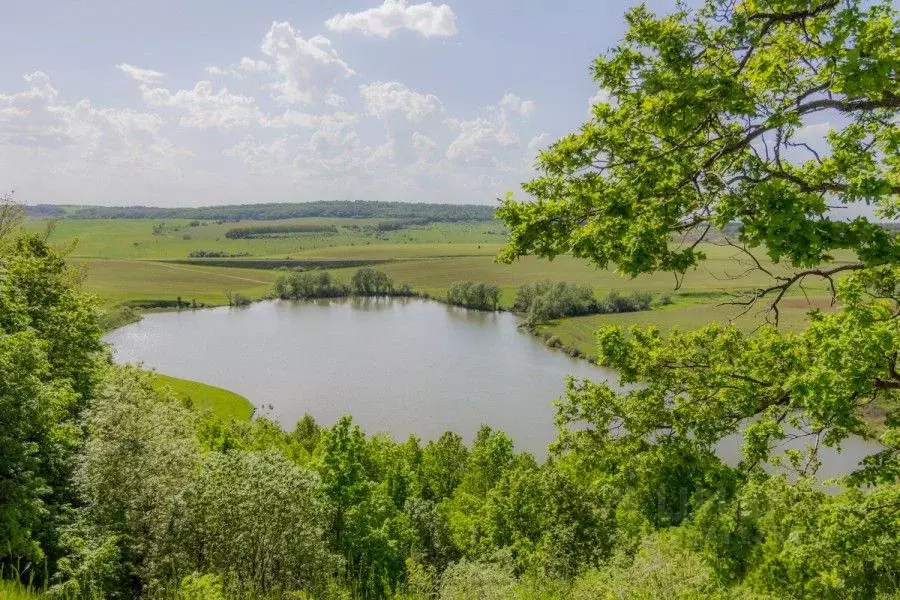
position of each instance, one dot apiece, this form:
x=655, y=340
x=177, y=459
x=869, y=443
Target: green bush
x=480, y=296
x=302, y=285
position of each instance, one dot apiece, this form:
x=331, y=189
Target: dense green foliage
x=49, y=349
x=357, y=209
x=277, y=230
x=480, y=296
x=702, y=131
x=703, y=127
x=543, y=301
x=304, y=285
x=369, y=282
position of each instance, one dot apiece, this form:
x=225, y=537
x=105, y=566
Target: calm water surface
x=404, y=366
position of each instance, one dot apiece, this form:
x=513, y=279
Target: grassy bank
x=222, y=403
x=686, y=313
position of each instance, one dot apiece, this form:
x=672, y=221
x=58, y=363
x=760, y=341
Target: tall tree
x=707, y=133
x=707, y=121
x=49, y=353
x=706, y=128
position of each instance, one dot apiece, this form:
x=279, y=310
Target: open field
x=151, y=239
x=222, y=403
x=579, y=332
x=127, y=280
x=131, y=261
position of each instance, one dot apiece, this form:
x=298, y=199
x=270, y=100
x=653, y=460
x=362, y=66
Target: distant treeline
x=239, y=233
x=398, y=224
x=216, y=254
x=305, y=285
x=346, y=209
x=45, y=210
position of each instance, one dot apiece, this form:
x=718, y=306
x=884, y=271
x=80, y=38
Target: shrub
x=369, y=282
x=545, y=301
x=619, y=303
x=301, y=285
x=254, y=517
x=662, y=568
x=480, y=296
x=467, y=580
x=236, y=299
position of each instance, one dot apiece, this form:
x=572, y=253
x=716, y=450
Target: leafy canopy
x=708, y=121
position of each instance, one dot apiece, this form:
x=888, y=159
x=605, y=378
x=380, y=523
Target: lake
x=404, y=366
x=397, y=365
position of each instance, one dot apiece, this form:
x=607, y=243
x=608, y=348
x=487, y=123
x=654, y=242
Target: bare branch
x=785, y=284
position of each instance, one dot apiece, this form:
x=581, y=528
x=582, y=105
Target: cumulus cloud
x=141, y=75
x=523, y=108
x=305, y=69
x=422, y=142
x=473, y=141
x=203, y=108
x=384, y=99
x=426, y=19
x=539, y=142
x=291, y=120
x=332, y=147
x=40, y=133
x=247, y=66
x=483, y=139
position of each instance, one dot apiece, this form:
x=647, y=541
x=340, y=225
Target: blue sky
x=177, y=102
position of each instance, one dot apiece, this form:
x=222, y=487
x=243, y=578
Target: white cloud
x=383, y=99
x=473, y=140
x=523, y=108
x=247, y=66
x=43, y=137
x=813, y=132
x=141, y=75
x=202, y=108
x=332, y=147
x=264, y=157
x=305, y=69
x=602, y=96
x=484, y=139
x=303, y=120
x=426, y=19
x=422, y=142
x=291, y=124
x=426, y=149
x=539, y=142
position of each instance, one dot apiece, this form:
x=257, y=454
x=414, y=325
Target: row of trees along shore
x=539, y=302
x=303, y=285
x=112, y=489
